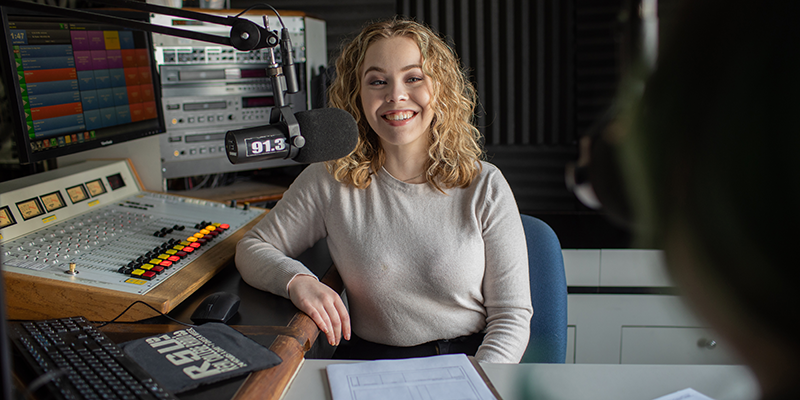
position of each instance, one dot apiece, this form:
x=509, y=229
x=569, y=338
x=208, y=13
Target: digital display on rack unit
x=258, y=102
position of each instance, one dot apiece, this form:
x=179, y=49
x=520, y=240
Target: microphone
x=327, y=134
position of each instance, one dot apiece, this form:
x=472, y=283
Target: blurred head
x=710, y=165
x=453, y=147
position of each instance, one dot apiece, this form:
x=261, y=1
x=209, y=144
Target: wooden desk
x=269, y=320
x=576, y=381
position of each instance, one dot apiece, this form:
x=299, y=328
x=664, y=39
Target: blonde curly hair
x=454, y=149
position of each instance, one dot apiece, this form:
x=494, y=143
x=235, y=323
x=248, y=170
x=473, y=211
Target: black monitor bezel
x=126, y=132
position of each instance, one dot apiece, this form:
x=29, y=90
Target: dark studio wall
x=545, y=71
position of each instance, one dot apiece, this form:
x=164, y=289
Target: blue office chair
x=548, y=341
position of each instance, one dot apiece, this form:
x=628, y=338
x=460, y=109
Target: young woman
x=426, y=237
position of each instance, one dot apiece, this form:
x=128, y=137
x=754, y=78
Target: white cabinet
x=622, y=309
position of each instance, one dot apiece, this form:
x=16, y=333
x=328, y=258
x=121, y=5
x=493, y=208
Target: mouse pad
x=185, y=359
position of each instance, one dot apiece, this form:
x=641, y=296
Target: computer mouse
x=217, y=307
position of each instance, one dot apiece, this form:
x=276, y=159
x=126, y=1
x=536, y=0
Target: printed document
x=446, y=377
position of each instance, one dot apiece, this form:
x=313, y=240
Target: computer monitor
x=75, y=85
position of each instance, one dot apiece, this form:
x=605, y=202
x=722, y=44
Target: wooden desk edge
x=271, y=384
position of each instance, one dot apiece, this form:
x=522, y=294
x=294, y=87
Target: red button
x=214, y=233
x=166, y=264
x=189, y=249
x=174, y=259
x=224, y=226
x=157, y=269
x=148, y=275
x=195, y=245
x=208, y=237
x=182, y=253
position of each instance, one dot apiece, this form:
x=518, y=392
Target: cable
x=261, y=6
x=151, y=307
x=41, y=381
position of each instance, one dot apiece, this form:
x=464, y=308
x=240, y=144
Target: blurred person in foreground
x=709, y=158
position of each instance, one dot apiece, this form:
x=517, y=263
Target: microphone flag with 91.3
x=329, y=133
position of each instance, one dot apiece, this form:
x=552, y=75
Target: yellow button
x=184, y=243
x=147, y=266
x=137, y=272
x=192, y=239
x=179, y=247
x=155, y=261
x=163, y=256
x=198, y=235
x=217, y=224
x=211, y=228
x=172, y=251
x=203, y=231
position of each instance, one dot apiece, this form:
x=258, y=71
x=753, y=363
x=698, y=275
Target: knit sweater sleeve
x=506, y=286
x=265, y=256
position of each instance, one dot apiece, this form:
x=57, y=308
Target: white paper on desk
x=685, y=394
x=447, y=377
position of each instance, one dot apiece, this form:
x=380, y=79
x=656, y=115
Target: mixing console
x=123, y=240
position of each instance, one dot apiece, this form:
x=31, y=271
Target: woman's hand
x=323, y=305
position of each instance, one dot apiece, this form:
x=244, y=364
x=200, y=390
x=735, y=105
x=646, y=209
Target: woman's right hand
x=323, y=305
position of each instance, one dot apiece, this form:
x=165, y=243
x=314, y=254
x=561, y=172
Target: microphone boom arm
x=245, y=35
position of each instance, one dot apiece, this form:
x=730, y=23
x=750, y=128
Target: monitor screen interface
x=77, y=85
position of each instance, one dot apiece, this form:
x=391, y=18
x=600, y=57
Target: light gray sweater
x=417, y=265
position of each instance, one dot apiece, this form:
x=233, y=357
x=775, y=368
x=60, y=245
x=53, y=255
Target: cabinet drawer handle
x=706, y=343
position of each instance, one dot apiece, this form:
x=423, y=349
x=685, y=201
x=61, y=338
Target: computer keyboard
x=81, y=361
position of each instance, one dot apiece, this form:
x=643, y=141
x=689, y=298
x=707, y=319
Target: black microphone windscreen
x=330, y=133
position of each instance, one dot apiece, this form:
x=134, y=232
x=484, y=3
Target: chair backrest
x=548, y=341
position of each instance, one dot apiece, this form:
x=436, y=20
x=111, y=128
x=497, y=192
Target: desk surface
x=577, y=381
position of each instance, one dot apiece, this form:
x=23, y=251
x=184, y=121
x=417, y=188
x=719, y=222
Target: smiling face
x=395, y=94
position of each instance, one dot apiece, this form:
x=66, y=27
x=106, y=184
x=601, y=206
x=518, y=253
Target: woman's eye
x=377, y=82
x=414, y=79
